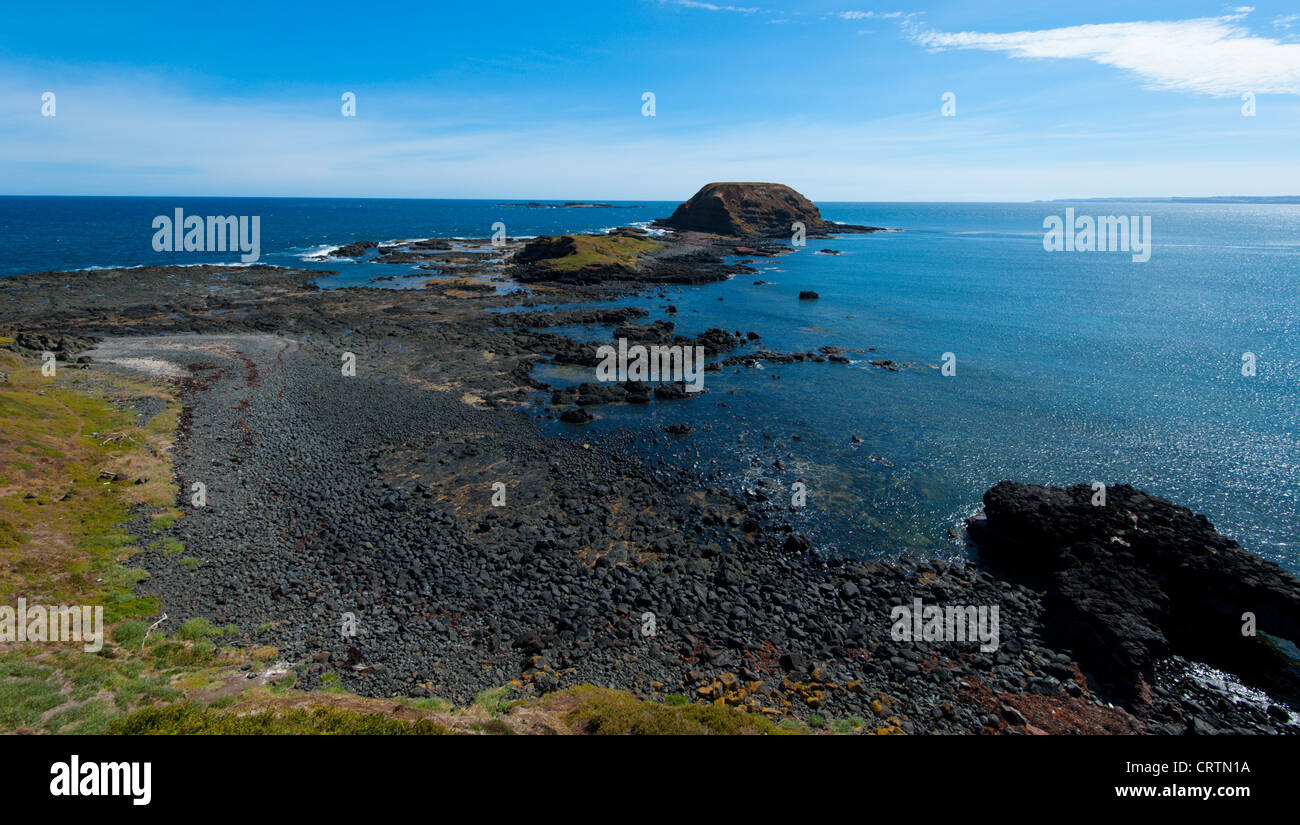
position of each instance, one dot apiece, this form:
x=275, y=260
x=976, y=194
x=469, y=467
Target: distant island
x=569, y=205
x=718, y=221
x=1208, y=199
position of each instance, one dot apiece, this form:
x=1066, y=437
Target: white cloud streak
x=868, y=15
x=693, y=4
x=1211, y=55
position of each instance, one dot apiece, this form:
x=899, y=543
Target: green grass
x=86, y=691
x=163, y=521
x=55, y=437
x=603, y=711
x=161, y=652
x=196, y=629
x=23, y=700
x=496, y=727
x=130, y=633
x=284, y=684
x=849, y=725
x=594, y=252
x=168, y=546
x=189, y=718
x=91, y=717
x=19, y=669
x=10, y=536
x=494, y=700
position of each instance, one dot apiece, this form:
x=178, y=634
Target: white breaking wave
x=232, y=264
x=322, y=252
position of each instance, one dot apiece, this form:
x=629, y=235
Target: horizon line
x=522, y=200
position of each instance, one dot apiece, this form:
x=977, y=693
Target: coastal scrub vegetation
x=603, y=711
x=190, y=718
x=76, y=465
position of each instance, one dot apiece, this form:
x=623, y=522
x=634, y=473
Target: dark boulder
x=1137, y=578
x=576, y=415
x=354, y=250
x=797, y=543
x=676, y=391
x=658, y=332
x=715, y=341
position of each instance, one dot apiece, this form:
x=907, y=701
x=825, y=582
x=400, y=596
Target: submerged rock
x=657, y=332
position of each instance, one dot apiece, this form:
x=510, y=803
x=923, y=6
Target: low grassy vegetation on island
x=617, y=251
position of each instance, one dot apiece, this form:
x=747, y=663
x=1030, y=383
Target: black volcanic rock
x=752, y=209
x=546, y=248
x=715, y=341
x=353, y=250
x=1137, y=579
x=577, y=415
x=657, y=332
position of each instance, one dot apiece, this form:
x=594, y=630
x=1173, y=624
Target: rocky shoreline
x=373, y=494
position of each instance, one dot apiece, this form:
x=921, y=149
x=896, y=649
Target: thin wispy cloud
x=1211, y=55
x=831, y=15
x=867, y=15
x=692, y=4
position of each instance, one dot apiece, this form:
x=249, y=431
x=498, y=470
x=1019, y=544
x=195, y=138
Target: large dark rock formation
x=758, y=209
x=1137, y=579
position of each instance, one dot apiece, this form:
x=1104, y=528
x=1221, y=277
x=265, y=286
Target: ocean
x=1070, y=367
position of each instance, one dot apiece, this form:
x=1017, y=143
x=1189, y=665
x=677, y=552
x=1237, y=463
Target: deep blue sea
x=1071, y=366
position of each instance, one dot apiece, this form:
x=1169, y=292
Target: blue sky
x=544, y=100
